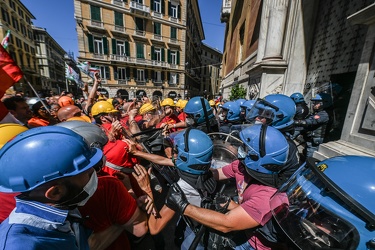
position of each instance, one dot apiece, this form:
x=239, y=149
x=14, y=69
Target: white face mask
x=189, y=121
x=90, y=188
x=258, y=122
x=221, y=117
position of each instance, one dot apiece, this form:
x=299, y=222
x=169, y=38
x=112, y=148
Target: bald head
x=67, y=112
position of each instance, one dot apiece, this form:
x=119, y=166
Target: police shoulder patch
x=322, y=167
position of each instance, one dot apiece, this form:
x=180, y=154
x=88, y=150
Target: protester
x=51, y=188
x=41, y=115
x=18, y=107
x=71, y=111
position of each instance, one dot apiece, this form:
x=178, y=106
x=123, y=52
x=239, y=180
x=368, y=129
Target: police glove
x=176, y=199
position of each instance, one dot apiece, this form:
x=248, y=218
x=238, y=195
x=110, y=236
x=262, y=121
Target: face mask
x=88, y=190
x=258, y=122
x=221, y=117
x=189, y=121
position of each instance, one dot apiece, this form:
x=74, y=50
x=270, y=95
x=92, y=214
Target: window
x=174, y=11
x=120, y=48
x=157, y=28
x=139, y=24
x=104, y=71
x=98, y=45
x=173, y=79
x=15, y=23
x=157, y=76
x=20, y=12
x=157, y=54
x=27, y=48
x=173, y=57
x=140, y=75
x=95, y=13
x=122, y=73
x=28, y=20
x=173, y=32
x=19, y=43
x=5, y=15
x=23, y=30
x=157, y=6
x=12, y=4
x=139, y=1
x=140, y=50
x=119, y=19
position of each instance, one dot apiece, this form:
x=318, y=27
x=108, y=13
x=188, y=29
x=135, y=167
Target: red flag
x=10, y=73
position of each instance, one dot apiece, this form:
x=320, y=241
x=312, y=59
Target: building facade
x=49, y=55
x=211, y=66
x=18, y=19
x=289, y=46
x=141, y=47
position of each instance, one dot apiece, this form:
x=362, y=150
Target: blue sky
x=58, y=18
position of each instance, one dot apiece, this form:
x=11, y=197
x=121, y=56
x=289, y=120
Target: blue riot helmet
x=278, y=110
x=246, y=107
x=331, y=204
x=44, y=154
x=266, y=154
x=324, y=99
x=230, y=111
x=195, y=110
x=240, y=101
x=297, y=98
x=194, y=151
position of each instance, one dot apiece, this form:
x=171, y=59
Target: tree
x=237, y=92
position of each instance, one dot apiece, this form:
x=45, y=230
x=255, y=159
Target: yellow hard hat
x=181, y=103
x=212, y=103
x=10, y=130
x=167, y=102
x=147, y=107
x=102, y=107
x=110, y=100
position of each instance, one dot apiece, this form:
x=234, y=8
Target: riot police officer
x=316, y=123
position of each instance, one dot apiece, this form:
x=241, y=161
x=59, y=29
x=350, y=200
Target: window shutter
x=178, y=57
x=91, y=43
x=169, y=77
x=152, y=53
x=114, y=46
x=107, y=73
x=179, y=12
x=146, y=75
x=169, y=9
x=162, y=54
x=178, y=79
x=169, y=56
x=162, y=75
x=152, y=5
x=127, y=75
x=115, y=72
x=127, y=48
x=134, y=73
x=162, y=2
x=105, y=45
x=153, y=75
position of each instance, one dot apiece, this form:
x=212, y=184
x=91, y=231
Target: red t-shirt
x=111, y=204
x=8, y=203
x=182, y=116
x=172, y=119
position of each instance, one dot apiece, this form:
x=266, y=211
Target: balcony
x=141, y=33
x=159, y=63
x=140, y=82
x=119, y=28
x=158, y=83
x=120, y=58
x=97, y=23
x=137, y=7
x=173, y=19
x=118, y=2
x=123, y=81
x=100, y=56
x=157, y=14
x=157, y=37
x=173, y=40
x=225, y=11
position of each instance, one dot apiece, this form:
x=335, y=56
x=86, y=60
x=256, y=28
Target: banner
x=5, y=41
x=10, y=73
x=86, y=68
x=72, y=75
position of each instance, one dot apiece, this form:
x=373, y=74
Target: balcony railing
x=157, y=14
x=158, y=83
x=173, y=40
x=118, y=2
x=140, y=82
x=139, y=32
x=122, y=81
x=142, y=61
x=99, y=56
x=157, y=37
x=173, y=19
x=138, y=6
x=97, y=23
x=119, y=28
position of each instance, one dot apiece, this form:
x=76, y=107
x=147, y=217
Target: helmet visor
x=311, y=220
x=262, y=109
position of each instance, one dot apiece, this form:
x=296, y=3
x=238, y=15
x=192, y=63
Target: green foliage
x=237, y=92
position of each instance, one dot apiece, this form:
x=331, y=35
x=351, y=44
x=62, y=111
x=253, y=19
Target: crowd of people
x=107, y=173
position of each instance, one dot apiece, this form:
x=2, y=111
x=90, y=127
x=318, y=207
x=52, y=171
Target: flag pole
x=66, y=85
x=36, y=93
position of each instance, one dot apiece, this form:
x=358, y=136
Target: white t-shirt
x=191, y=193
